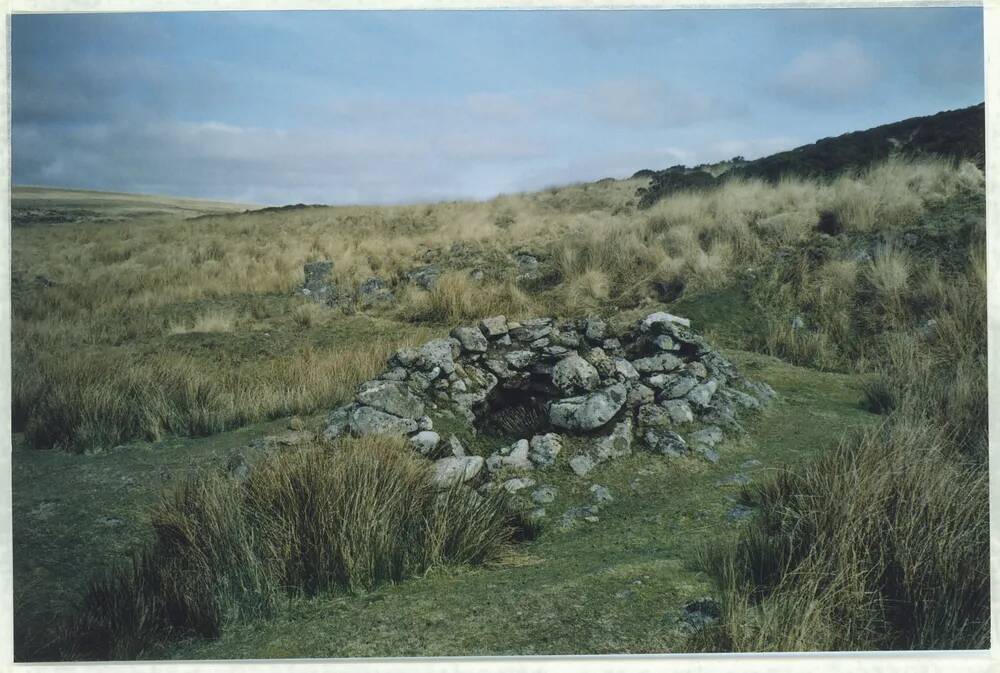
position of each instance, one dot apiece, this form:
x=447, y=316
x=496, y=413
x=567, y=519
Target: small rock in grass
x=544, y=495
x=425, y=441
x=581, y=464
x=601, y=493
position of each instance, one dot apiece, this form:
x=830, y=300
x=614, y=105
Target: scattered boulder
x=700, y=613
x=581, y=464
x=318, y=284
x=601, y=493
x=425, y=441
x=455, y=470
x=518, y=484
x=544, y=495
x=373, y=291
x=617, y=444
x=544, y=449
x=425, y=277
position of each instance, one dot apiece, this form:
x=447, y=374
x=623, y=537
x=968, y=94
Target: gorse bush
x=303, y=522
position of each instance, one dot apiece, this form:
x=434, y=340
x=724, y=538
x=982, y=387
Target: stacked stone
x=658, y=383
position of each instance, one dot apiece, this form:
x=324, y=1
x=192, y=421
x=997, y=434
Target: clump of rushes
x=305, y=522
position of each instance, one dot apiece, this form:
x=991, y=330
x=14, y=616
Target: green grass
x=616, y=585
x=561, y=588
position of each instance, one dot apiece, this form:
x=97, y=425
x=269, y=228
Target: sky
x=373, y=107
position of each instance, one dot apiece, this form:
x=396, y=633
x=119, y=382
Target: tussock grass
x=118, y=284
x=458, y=298
x=884, y=543
x=305, y=522
x=95, y=401
x=213, y=321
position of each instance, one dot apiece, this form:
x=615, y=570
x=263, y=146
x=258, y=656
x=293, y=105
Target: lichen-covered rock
x=573, y=374
x=595, y=329
x=709, y=437
x=581, y=464
x=665, y=441
x=702, y=393
x=678, y=411
x=652, y=416
x=369, y=421
x=425, y=441
x=601, y=494
x=663, y=362
x=588, y=412
x=425, y=277
x=543, y=449
x=318, y=285
x=544, y=495
x=455, y=470
x=625, y=370
x=373, y=291
x=471, y=339
x=661, y=322
x=531, y=330
x=617, y=444
x=680, y=388
x=602, y=362
x=520, y=359
x=494, y=327
x=638, y=395
x=392, y=397
x=518, y=484
x=439, y=353
x=337, y=422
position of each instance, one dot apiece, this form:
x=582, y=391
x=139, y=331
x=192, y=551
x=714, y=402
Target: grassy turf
x=611, y=586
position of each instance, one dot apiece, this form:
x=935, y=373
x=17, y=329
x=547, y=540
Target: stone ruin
x=657, y=385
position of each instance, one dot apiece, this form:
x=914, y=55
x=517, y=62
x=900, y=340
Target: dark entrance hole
x=515, y=413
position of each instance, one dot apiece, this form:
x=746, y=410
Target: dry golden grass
x=123, y=285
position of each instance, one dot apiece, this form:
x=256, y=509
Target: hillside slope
x=953, y=134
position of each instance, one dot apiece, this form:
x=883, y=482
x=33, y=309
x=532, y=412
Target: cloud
x=220, y=160
x=832, y=74
x=654, y=103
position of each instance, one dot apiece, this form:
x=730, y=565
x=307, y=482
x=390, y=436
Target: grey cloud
x=216, y=160
x=657, y=104
x=835, y=73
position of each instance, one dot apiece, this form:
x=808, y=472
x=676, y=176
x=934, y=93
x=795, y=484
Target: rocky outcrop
x=657, y=386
